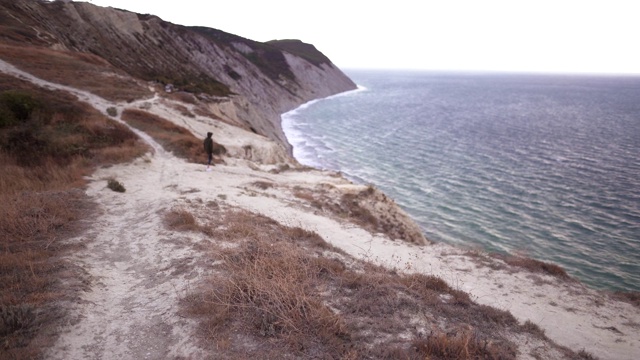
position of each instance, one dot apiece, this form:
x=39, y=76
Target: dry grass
x=518, y=262
x=535, y=266
x=534, y=329
x=46, y=148
x=172, y=137
x=281, y=292
x=631, y=297
x=80, y=70
x=181, y=220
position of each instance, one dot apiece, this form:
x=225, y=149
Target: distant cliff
x=252, y=83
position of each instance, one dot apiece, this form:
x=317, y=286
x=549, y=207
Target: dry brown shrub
x=460, y=346
x=534, y=265
x=425, y=283
x=270, y=287
x=585, y=355
x=307, y=196
x=181, y=220
x=360, y=215
x=533, y=328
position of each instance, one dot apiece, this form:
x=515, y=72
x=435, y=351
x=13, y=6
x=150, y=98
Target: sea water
x=546, y=166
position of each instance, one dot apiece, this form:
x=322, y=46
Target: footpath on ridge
x=138, y=270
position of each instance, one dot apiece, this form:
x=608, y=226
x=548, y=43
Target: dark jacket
x=208, y=145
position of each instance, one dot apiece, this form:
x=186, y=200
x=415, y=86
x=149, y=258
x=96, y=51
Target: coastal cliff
x=246, y=83
x=119, y=243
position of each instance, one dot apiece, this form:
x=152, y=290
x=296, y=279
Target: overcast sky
x=493, y=35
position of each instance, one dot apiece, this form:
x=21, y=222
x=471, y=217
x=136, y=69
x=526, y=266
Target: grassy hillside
x=48, y=142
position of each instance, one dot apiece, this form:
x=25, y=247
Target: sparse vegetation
x=182, y=220
x=534, y=265
x=112, y=111
x=263, y=185
x=280, y=291
x=172, y=137
x=533, y=328
x=48, y=143
x=521, y=262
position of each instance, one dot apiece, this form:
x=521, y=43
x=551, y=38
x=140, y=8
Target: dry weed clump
x=534, y=329
x=283, y=292
x=529, y=264
x=534, y=265
x=181, y=220
x=271, y=288
x=460, y=345
x=115, y=185
x=263, y=185
x=172, y=137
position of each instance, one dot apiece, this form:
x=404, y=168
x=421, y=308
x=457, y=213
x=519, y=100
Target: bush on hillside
x=16, y=107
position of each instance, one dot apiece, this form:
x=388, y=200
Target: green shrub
x=112, y=111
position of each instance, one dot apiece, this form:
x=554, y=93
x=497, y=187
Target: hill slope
x=253, y=82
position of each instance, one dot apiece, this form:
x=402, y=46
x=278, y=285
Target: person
x=208, y=148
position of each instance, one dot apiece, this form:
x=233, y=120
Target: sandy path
x=139, y=270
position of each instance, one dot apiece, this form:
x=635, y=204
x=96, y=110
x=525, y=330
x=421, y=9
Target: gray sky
x=494, y=35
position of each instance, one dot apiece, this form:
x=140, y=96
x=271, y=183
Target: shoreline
x=608, y=276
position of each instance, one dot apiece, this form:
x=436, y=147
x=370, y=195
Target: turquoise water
x=540, y=165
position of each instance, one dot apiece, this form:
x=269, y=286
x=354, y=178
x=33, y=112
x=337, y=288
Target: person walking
x=208, y=148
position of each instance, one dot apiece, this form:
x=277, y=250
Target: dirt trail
x=139, y=271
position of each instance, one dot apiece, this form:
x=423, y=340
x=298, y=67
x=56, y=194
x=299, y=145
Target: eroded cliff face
x=250, y=83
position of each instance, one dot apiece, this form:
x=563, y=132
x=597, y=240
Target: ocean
x=545, y=166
